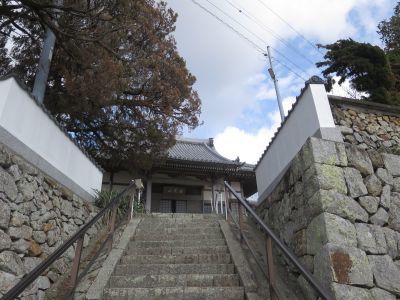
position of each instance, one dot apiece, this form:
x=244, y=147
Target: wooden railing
x=271, y=239
x=78, y=237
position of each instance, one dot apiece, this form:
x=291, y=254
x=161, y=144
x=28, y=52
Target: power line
x=266, y=28
x=289, y=60
x=291, y=27
x=243, y=36
x=289, y=68
x=258, y=37
x=258, y=48
x=237, y=22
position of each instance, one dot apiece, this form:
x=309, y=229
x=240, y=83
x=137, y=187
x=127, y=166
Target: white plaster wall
x=310, y=114
x=23, y=119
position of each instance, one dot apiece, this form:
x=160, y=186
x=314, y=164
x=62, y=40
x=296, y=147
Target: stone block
x=369, y=203
x=347, y=292
x=392, y=163
x=35, y=249
x=385, y=197
x=308, y=262
x=39, y=236
x=396, y=184
x=384, y=175
x=373, y=184
x=67, y=208
x=5, y=241
x=7, y=185
x=7, y=281
x=329, y=228
x=330, y=177
x=379, y=294
x=18, y=219
x=24, y=232
x=394, y=212
x=5, y=213
x=386, y=274
x=31, y=262
x=359, y=159
x=307, y=290
x=299, y=242
x=328, y=152
x=338, y=204
x=27, y=189
x=21, y=246
x=380, y=218
x=371, y=238
x=392, y=242
x=344, y=265
x=376, y=158
x=355, y=183
x=10, y=262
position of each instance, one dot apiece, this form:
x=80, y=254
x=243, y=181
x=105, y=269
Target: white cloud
x=231, y=74
x=345, y=90
x=234, y=142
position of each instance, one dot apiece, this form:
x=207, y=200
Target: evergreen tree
x=368, y=68
x=390, y=36
x=364, y=65
x=117, y=82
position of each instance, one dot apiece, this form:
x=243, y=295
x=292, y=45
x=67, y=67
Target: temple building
x=192, y=173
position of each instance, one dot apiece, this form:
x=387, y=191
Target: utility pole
x=272, y=74
x=42, y=72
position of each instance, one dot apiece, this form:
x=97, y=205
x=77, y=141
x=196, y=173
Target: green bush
x=103, y=198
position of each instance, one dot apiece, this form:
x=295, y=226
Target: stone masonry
x=36, y=216
x=338, y=209
x=368, y=125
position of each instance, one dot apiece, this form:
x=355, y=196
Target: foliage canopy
x=368, y=68
x=117, y=82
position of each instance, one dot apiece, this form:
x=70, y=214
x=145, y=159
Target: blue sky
x=239, y=107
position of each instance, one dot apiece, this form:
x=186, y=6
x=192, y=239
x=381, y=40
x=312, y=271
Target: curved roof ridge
x=215, y=152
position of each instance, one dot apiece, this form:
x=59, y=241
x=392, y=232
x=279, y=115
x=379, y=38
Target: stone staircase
x=176, y=256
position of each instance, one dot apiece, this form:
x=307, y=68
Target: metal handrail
x=78, y=236
x=271, y=236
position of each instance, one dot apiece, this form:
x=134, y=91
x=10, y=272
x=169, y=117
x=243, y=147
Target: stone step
x=160, y=269
x=183, y=216
x=157, y=225
x=187, y=231
x=176, y=243
x=176, y=250
x=176, y=236
x=168, y=280
x=175, y=293
x=177, y=259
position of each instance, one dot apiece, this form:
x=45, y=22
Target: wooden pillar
x=212, y=195
x=148, y=194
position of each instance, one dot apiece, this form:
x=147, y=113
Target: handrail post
x=271, y=268
x=227, y=203
x=112, y=227
x=240, y=221
x=76, y=262
x=131, y=205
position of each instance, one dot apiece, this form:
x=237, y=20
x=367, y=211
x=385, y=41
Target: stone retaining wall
x=36, y=216
x=338, y=209
x=368, y=125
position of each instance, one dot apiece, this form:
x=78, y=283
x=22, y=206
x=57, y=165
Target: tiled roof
x=199, y=150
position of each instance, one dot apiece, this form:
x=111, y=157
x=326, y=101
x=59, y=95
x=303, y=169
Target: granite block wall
x=338, y=209
x=368, y=126
x=36, y=216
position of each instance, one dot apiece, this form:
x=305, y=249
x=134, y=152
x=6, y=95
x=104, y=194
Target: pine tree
x=369, y=68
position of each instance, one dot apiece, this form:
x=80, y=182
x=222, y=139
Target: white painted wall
x=310, y=115
x=25, y=120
